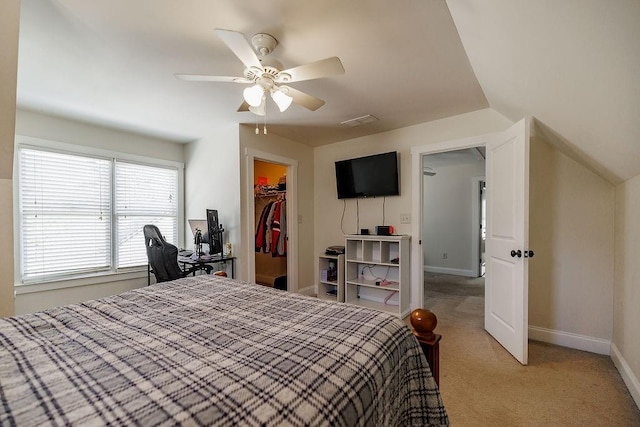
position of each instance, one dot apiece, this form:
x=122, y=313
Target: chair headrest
x=152, y=232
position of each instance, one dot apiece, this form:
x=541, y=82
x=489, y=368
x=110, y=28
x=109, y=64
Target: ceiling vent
x=358, y=121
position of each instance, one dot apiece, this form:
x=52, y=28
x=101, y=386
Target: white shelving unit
x=330, y=288
x=382, y=259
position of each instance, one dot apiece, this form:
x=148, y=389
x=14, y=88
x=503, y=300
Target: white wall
x=9, y=23
x=304, y=155
x=626, y=327
x=52, y=128
x=448, y=225
x=32, y=298
x=212, y=181
x=572, y=233
x=571, y=225
x=329, y=209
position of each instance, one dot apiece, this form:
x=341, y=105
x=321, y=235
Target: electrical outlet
x=444, y=255
x=405, y=218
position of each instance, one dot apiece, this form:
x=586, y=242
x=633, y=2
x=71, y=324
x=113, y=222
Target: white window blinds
x=83, y=214
x=65, y=213
x=143, y=195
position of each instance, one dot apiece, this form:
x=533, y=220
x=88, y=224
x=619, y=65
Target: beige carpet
x=482, y=385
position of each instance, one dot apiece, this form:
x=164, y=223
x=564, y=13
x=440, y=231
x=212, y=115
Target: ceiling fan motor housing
x=264, y=43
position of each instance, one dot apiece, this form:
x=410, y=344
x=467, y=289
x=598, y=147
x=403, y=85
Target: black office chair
x=163, y=256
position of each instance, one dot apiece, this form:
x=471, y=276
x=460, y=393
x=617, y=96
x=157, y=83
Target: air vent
x=358, y=121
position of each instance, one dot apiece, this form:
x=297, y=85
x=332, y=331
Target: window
x=144, y=195
x=81, y=214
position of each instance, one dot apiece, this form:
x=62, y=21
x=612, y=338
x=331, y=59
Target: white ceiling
x=574, y=65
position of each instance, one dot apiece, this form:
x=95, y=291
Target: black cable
x=344, y=208
x=384, y=199
x=387, y=273
x=357, y=217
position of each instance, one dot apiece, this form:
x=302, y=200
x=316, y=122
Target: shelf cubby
x=330, y=288
x=382, y=259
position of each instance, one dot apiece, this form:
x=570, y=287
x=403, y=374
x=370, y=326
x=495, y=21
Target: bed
x=208, y=350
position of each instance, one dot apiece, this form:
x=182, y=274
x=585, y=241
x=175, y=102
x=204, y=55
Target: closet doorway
x=280, y=174
x=270, y=222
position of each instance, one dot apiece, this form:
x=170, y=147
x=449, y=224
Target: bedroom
x=566, y=188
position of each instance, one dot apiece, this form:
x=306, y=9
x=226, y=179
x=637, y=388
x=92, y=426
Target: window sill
x=86, y=280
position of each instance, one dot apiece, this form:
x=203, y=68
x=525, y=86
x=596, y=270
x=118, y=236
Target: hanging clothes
x=261, y=228
x=271, y=231
x=281, y=247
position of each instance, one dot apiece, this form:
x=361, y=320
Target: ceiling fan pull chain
x=264, y=129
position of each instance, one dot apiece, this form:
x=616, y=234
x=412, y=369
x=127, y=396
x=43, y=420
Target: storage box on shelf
x=377, y=273
x=331, y=280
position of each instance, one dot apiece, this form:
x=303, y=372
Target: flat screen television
x=370, y=176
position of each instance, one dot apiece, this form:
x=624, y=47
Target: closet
x=270, y=192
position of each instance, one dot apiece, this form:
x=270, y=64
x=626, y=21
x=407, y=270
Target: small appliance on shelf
x=334, y=250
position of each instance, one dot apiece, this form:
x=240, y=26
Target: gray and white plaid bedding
x=207, y=350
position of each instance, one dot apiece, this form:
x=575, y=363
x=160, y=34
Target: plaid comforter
x=207, y=350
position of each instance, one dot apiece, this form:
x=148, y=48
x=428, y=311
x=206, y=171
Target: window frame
x=113, y=273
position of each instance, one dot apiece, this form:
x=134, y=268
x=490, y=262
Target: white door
x=506, y=284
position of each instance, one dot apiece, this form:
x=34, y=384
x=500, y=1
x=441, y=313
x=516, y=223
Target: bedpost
x=424, y=322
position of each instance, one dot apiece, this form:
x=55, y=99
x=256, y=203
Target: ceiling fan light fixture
x=253, y=95
x=260, y=110
x=282, y=100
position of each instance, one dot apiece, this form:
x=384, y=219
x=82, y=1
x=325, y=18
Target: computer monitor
x=214, y=232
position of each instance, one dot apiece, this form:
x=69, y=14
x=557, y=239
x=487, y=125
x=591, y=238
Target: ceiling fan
x=266, y=74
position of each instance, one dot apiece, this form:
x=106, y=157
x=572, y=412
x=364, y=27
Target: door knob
x=528, y=254
x=517, y=253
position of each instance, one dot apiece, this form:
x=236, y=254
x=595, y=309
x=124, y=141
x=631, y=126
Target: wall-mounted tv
x=370, y=176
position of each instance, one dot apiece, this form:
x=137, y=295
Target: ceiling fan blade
x=308, y=101
x=315, y=70
x=240, y=47
x=243, y=107
x=205, y=78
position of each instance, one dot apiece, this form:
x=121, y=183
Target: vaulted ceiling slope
x=113, y=62
x=571, y=64
x=574, y=65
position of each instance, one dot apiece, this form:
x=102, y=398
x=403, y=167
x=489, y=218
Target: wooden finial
x=424, y=322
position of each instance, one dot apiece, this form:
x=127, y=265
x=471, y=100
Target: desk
x=187, y=260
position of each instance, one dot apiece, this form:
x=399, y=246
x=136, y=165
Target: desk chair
x=163, y=256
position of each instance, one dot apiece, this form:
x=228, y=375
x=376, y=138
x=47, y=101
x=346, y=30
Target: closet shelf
x=277, y=193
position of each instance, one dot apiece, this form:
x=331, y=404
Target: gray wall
x=447, y=224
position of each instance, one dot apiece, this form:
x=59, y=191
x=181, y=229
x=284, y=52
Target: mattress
x=208, y=350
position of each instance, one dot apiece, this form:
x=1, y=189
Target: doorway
x=452, y=212
x=453, y=235
x=253, y=209
x=506, y=279
x=270, y=224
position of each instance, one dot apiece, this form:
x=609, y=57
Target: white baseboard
x=445, y=270
x=567, y=339
x=626, y=373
